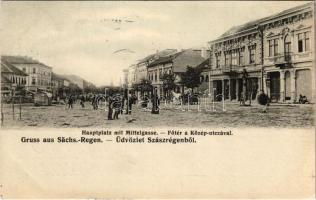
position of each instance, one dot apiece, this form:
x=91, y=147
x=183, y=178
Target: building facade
x=39, y=75
x=289, y=67
x=236, y=56
x=274, y=55
x=11, y=78
x=131, y=76
x=174, y=64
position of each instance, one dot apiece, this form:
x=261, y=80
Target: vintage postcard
x=157, y=99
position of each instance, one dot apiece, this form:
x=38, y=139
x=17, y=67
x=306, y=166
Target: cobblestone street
x=281, y=115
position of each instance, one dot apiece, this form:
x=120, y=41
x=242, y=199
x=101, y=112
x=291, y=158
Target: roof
x=204, y=63
x=158, y=54
x=253, y=24
x=164, y=60
x=181, y=60
x=147, y=58
x=21, y=60
x=187, y=58
x=4, y=79
x=9, y=68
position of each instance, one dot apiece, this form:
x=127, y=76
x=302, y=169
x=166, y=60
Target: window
x=34, y=70
x=234, y=58
x=252, y=52
x=270, y=48
x=201, y=79
x=217, y=60
x=273, y=47
x=33, y=81
x=227, y=59
x=287, y=45
x=303, y=42
x=306, y=35
x=300, y=42
x=206, y=78
x=241, y=57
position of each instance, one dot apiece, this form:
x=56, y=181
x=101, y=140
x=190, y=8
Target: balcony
x=282, y=60
x=230, y=70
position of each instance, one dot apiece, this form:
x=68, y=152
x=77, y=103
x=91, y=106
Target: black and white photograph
x=152, y=64
x=157, y=100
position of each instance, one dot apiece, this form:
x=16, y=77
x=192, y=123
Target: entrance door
x=303, y=84
x=275, y=86
x=233, y=88
x=217, y=87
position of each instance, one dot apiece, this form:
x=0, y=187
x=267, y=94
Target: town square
x=282, y=116
x=116, y=68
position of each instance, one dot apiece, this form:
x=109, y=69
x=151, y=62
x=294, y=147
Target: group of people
x=117, y=103
x=71, y=100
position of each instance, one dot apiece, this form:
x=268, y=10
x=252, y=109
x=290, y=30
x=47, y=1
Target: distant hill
x=82, y=83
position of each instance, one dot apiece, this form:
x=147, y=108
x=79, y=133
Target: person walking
x=129, y=104
x=82, y=100
x=117, y=106
x=110, y=112
x=95, y=102
x=70, y=102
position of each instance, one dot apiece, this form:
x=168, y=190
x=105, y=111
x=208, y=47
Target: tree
x=191, y=78
x=168, y=83
x=143, y=86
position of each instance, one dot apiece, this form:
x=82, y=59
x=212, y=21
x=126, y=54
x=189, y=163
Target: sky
x=97, y=40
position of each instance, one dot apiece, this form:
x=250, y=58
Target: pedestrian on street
x=117, y=106
x=110, y=112
x=70, y=102
x=129, y=104
x=82, y=100
x=95, y=102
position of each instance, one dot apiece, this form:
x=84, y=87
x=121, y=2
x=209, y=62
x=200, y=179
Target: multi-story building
x=141, y=66
x=39, y=75
x=11, y=78
x=289, y=65
x=235, y=55
x=59, y=86
x=131, y=76
x=274, y=54
x=175, y=64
